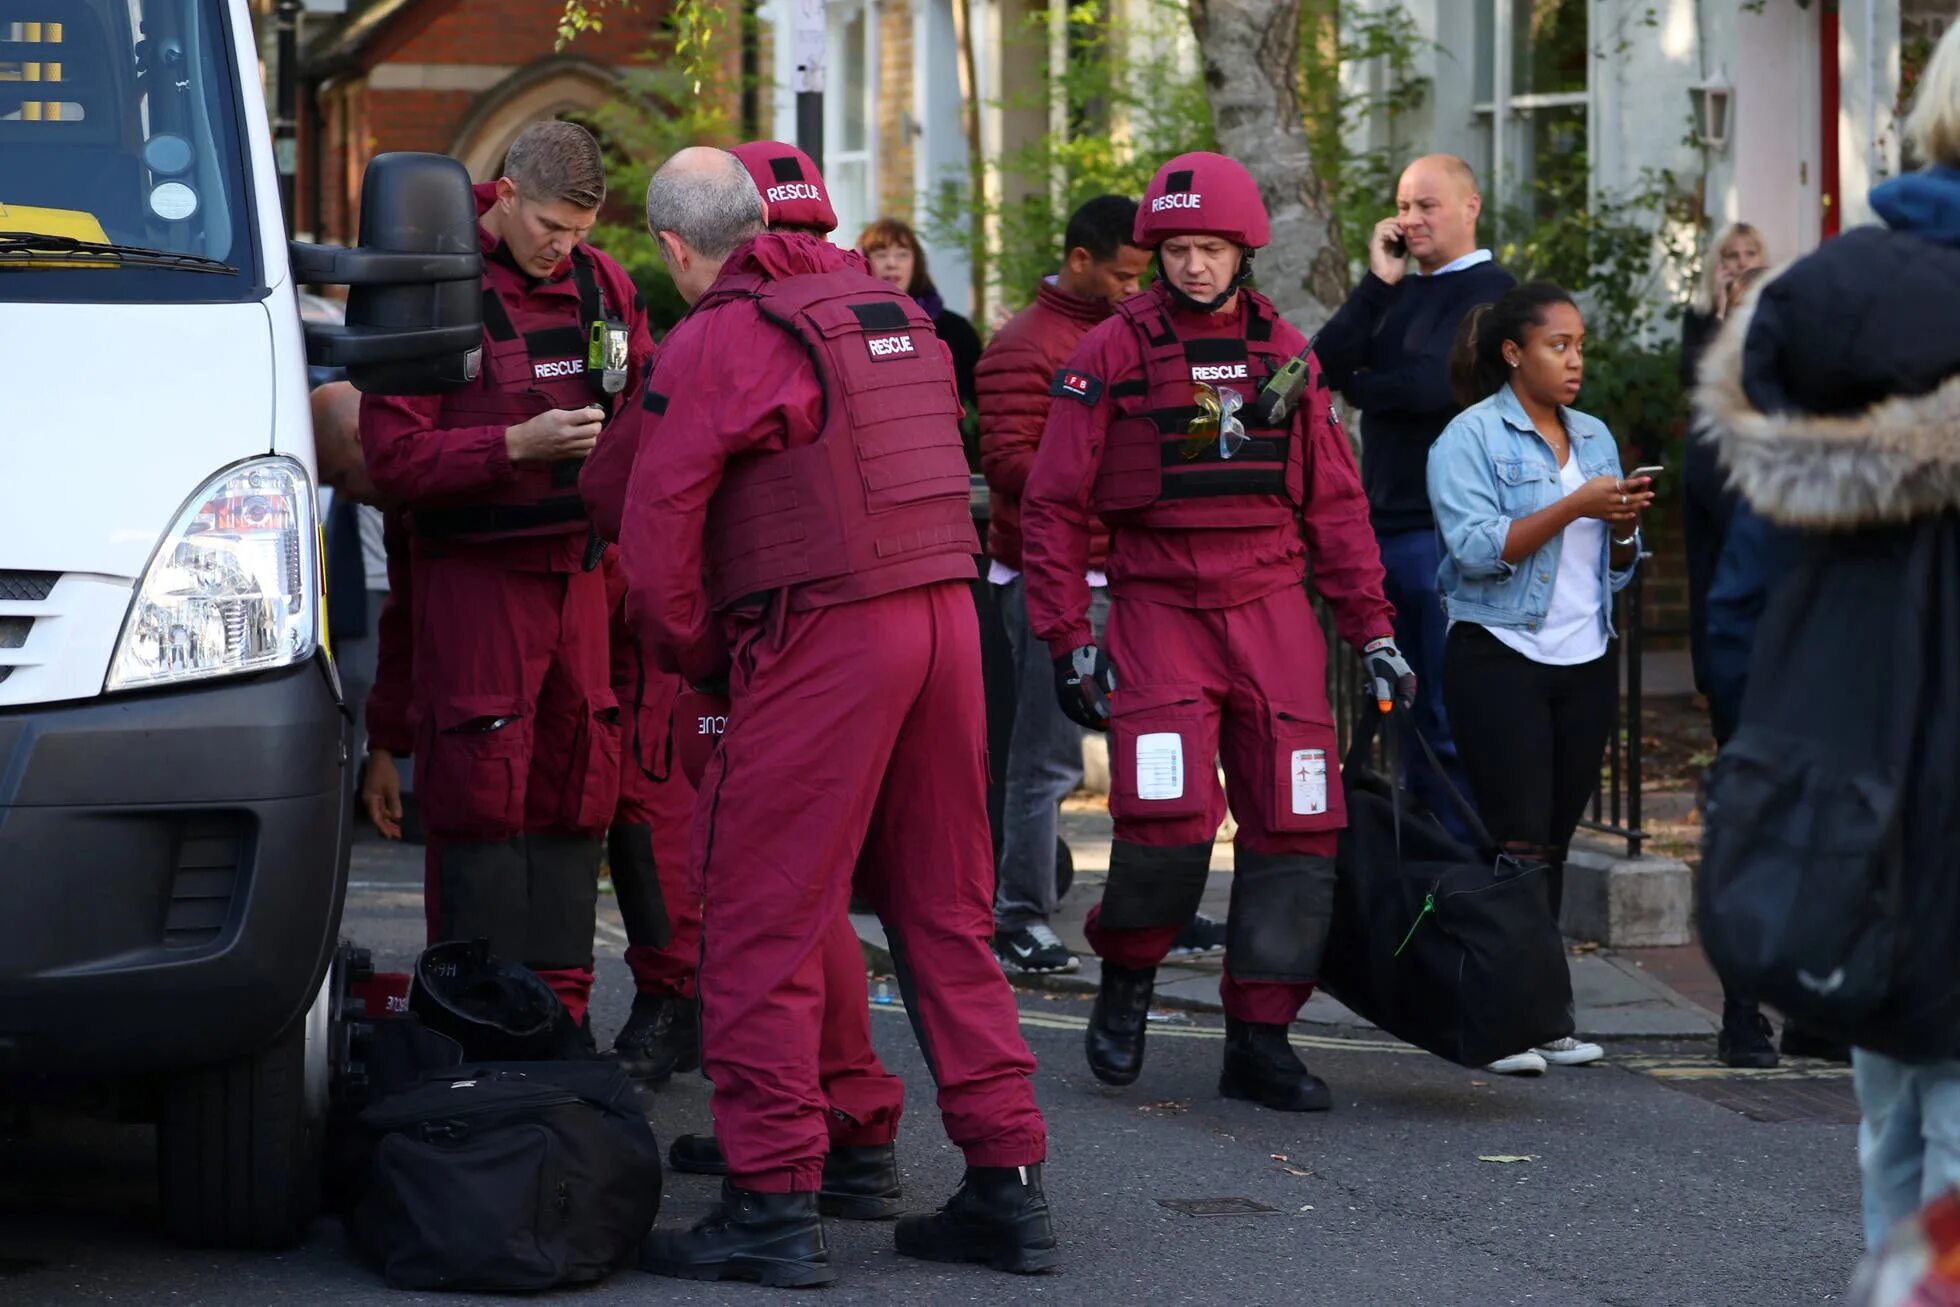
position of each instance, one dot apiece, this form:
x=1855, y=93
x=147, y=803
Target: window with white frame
x=1532, y=62
x=850, y=118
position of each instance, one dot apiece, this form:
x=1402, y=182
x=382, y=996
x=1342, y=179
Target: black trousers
x=1530, y=737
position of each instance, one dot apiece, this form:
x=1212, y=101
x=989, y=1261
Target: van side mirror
x=415, y=305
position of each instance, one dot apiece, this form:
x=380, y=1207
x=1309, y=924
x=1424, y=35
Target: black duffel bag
x=1448, y=948
x=507, y=1177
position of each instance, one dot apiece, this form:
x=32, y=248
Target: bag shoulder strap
x=1365, y=732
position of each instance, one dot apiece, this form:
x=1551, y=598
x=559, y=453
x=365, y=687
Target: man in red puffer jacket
x=1015, y=380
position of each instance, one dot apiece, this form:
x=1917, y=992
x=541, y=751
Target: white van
x=174, y=770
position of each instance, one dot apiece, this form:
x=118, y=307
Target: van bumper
x=172, y=867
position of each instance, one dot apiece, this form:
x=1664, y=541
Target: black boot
x=859, y=1183
x=1117, y=1022
x=1260, y=1065
x=998, y=1215
x=1745, y=1037
x=1801, y=1041
x=662, y=1036
x=773, y=1239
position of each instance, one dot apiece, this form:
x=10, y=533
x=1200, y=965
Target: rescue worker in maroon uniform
x=1211, y=647
x=805, y=534
x=864, y=1101
x=517, y=731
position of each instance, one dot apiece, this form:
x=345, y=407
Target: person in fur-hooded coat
x=1834, y=401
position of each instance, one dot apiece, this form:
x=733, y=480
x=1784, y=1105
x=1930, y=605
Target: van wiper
x=28, y=242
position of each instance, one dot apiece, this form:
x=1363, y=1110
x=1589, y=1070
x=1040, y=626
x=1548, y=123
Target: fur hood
x=1893, y=460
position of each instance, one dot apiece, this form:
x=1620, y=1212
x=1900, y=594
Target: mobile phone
x=1651, y=472
x=1398, y=247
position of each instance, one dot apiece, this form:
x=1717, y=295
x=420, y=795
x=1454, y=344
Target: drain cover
x=1778, y=1102
x=1216, y=1206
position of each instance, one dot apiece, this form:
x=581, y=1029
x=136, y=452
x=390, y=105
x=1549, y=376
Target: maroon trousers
x=517, y=751
x=652, y=823
x=1244, y=685
x=855, y=743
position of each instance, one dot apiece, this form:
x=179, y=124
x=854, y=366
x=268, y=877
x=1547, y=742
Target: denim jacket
x=1489, y=468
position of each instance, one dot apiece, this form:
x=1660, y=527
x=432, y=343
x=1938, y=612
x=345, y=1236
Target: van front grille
x=13, y=631
x=27, y=587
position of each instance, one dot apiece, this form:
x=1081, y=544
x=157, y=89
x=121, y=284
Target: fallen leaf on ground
x=1169, y=1107
x=1507, y=1157
x=1281, y=1157
x=1480, y=1083
x=1307, y=1208
x=1294, y=1170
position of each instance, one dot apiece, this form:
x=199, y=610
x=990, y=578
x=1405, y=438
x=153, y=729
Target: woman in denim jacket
x=1539, y=528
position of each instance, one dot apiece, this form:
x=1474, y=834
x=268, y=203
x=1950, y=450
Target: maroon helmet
x=1202, y=194
x=792, y=189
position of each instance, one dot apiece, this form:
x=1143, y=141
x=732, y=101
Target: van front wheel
x=239, y=1144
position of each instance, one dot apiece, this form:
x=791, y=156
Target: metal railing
x=1616, y=804
x=1616, y=809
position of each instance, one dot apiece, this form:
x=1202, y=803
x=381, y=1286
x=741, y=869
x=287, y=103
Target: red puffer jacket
x=1013, y=381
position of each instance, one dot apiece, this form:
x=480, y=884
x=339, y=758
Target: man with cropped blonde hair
x=516, y=730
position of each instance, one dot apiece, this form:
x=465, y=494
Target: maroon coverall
x=517, y=730
x=657, y=796
x=856, y=727
x=1216, y=649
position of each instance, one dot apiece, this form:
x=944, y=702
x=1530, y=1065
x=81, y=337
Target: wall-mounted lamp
x=1711, y=100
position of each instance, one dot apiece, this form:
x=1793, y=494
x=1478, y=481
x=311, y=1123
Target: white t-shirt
x=1572, y=631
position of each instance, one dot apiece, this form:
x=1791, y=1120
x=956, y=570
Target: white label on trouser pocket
x=1160, y=766
x=1309, y=782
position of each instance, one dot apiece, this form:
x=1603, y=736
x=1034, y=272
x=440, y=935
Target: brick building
x=440, y=75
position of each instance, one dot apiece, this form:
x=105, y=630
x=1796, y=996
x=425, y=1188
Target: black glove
x=1084, y=680
x=1394, y=680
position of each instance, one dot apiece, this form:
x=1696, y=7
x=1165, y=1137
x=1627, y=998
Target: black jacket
x=1830, y=878
x=1388, y=351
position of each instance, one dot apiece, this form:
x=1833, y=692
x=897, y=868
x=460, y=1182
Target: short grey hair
x=707, y=198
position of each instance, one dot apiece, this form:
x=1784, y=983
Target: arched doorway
x=551, y=88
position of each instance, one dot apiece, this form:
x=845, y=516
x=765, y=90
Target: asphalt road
x=1637, y=1189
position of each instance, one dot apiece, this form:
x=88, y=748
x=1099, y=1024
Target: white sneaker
x=1526, y=1063
x=1570, y=1052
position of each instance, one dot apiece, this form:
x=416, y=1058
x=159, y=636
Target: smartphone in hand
x=1651, y=472
x=1398, y=247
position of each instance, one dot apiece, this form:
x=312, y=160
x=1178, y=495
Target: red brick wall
x=356, y=121
x=517, y=32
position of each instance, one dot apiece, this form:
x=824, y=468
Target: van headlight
x=234, y=586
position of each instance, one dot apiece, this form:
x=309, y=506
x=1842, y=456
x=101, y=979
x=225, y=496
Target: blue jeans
x=1909, y=1137
x=1044, y=765
x=1410, y=559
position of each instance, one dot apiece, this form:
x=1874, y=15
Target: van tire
x=239, y=1150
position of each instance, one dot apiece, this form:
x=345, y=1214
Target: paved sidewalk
x=1618, y=994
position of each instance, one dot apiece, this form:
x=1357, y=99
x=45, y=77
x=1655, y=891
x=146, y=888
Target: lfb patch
x=1070, y=384
x=894, y=346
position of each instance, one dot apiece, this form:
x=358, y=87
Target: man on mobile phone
x=1388, y=352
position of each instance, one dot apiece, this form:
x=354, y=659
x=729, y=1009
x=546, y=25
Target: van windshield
x=122, y=173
